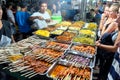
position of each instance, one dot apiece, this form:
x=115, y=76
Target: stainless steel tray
x=81, y=61
x=62, y=28
x=78, y=41
x=86, y=26
x=86, y=54
x=42, y=37
x=27, y=70
x=64, y=39
x=55, y=45
x=60, y=33
x=67, y=68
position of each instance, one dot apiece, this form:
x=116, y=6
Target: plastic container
x=56, y=18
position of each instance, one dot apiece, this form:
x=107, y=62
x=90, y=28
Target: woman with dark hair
x=5, y=36
x=55, y=9
x=5, y=31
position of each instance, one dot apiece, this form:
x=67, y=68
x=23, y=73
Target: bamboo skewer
x=16, y=69
x=79, y=78
x=26, y=70
x=33, y=75
x=75, y=77
x=30, y=74
x=68, y=75
x=4, y=62
x=27, y=73
x=40, y=56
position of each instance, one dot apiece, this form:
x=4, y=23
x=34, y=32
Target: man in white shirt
x=41, y=17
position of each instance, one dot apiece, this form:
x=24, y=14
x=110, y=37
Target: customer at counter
x=114, y=73
x=107, y=51
x=41, y=17
x=6, y=36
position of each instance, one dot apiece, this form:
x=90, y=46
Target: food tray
x=56, y=32
x=74, y=28
x=87, y=33
x=63, y=39
x=62, y=70
x=25, y=43
x=84, y=40
x=71, y=34
x=93, y=26
x=55, y=45
x=29, y=66
x=86, y=24
x=41, y=37
x=52, y=23
x=4, y=57
x=84, y=50
x=62, y=28
x=48, y=54
x=79, y=24
x=81, y=60
x=66, y=37
x=73, y=31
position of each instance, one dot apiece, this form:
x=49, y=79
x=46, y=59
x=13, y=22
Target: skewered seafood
x=31, y=64
x=80, y=61
x=70, y=73
x=84, y=49
x=56, y=46
x=49, y=52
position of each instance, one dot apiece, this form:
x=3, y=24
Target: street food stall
x=64, y=51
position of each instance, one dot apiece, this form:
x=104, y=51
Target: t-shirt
x=5, y=34
x=114, y=73
x=41, y=23
x=22, y=19
x=10, y=15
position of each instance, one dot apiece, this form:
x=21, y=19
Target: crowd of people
x=24, y=20
x=107, y=16
x=108, y=38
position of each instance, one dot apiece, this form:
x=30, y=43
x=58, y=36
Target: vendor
x=5, y=31
x=42, y=17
